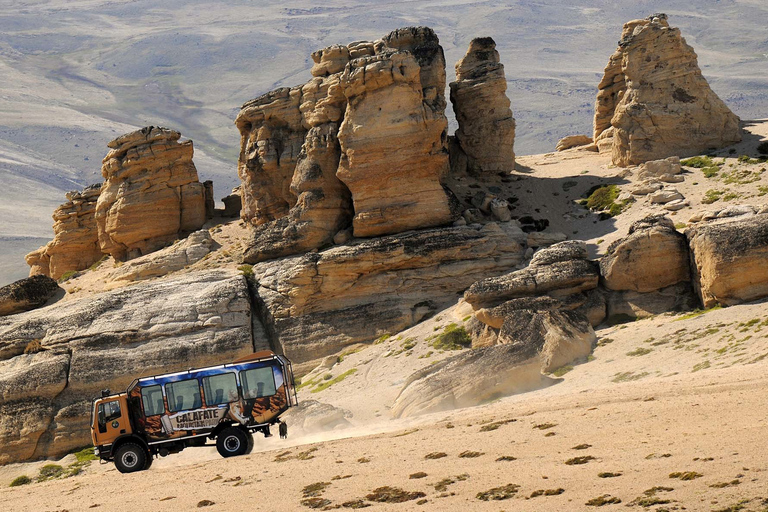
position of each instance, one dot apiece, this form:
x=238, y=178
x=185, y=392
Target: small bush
x=453, y=337
x=20, y=480
x=710, y=172
x=50, y=471
x=329, y=383
x=698, y=162
x=86, y=454
x=762, y=148
x=712, y=196
x=33, y=347
x=69, y=274
x=246, y=270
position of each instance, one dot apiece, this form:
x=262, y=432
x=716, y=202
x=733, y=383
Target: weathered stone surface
x=76, y=240
x=666, y=170
x=392, y=147
x=665, y=195
x=233, y=203
x=631, y=304
x=558, y=280
x=656, y=100
x=78, y=347
x=151, y=196
x=271, y=135
x=324, y=205
x=573, y=141
x=728, y=213
x=185, y=252
x=535, y=336
x=26, y=294
x=545, y=238
x=563, y=251
x=470, y=378
x=654, y=255
x=729, y=260
x=318, y=303
x=486, y=131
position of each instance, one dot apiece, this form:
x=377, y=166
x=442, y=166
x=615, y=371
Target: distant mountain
x=78, y=73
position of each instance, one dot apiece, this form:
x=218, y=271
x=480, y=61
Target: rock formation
x=486, y=131
x=75, y=245
x=392, y=147
x=151, y=196
x=318, y=303
x=54, y=360
x=653, y=101
x=26, y=294
x=573, y=141
x=181, y=254
x=648, y=271
x=728, y=259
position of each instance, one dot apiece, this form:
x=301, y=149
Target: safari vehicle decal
x=241, y=406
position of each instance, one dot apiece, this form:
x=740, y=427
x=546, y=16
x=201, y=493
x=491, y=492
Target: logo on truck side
x=194, y=420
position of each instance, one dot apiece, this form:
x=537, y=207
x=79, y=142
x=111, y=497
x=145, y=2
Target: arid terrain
x=666, y=414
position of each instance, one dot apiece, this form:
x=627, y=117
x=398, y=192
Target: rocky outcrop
x=655, y=101
x=471, y=378
x=728, y=260
x=75, y=245
x=26, y=294
x=486, y=131
x=392, y=147
x=271, y=135
x=171, y=259
x=152, y=195
x=318, y=303
x=233, y=203
x=573, y=141
x=647, y=272
x=53, y=361
x=311, y=416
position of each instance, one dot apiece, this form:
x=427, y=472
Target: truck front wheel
x=232, y=441
x=130, y=457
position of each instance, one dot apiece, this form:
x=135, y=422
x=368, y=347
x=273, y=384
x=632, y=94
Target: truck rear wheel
x=249, y=448
x=232, y=441
x=130, y=457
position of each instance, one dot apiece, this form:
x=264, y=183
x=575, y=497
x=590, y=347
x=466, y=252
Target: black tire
x=130, y=457
x=150, y=460
x=249, y=449
x=232, y=441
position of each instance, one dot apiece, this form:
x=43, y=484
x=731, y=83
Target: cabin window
x=220, y=389
x=107, y=412
x=258, y=382
x=183, y=395
x=152, y=398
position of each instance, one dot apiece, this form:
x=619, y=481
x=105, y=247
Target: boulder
x=233, y=203
x=75, y=245
x=666, y=170
x=311, y=417
x=558, y=279
x=656, y=100
x=165, y=261
x=319, y=303
x=27, y=294
x=392, y=147
x=535, y=337
x=486, y=132
x=55, y=360
x=152, y=195
x=665, y=195
x=728, y=260
x=654, y=255
x=573, y=141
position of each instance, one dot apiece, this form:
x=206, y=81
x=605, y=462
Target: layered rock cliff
x=152, y=195
x=75, y=245
x=653, y=101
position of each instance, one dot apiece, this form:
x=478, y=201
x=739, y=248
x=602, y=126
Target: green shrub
x=246, y=270
x=699, y=162
x=20, y=480
x=98, y=263
x=453, y=337
x=710, y=172
x=69, y=274
x=50, y=471
x=604, y=199
x=712, y=196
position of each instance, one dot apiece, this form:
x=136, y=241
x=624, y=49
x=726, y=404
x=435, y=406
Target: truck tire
x=150, y=460
x=232, y=441
x=249, y=448
x=130, y=457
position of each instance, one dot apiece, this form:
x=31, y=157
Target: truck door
x=111, y=420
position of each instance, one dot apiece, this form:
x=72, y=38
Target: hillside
x=80, y=73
